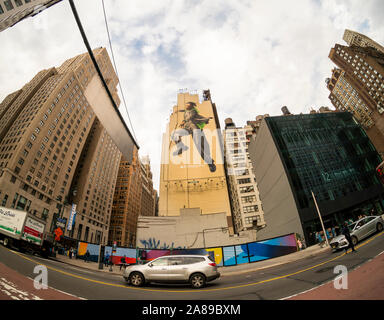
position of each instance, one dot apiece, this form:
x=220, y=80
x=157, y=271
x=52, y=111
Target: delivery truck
x=21, y=230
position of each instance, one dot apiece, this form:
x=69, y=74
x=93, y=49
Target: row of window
x=20, y=202
x=9, y=5
x=367, y=74
x=250, y=220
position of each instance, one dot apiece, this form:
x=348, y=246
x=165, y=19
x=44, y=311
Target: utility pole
x=321, y=220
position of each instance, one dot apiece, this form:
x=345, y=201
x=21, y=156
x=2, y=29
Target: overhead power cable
x=93, y=59
x=114, y=64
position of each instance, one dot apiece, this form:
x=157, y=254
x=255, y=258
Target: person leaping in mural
x=193, y=124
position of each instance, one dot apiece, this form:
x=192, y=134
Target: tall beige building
x=353, y=38
x=357, y=85
x=13, y=11
x=192, y=173
x=148, y=197
x=247, y=209
x=126, y=202
x=134, y=196
x=346, y=98
x=54, y=151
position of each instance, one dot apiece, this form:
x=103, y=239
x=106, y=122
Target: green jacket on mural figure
x=193, y=124
x=192, y=119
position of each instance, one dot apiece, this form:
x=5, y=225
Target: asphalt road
x=69, y=282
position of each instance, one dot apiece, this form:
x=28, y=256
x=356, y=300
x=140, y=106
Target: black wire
x=114, y=63
x=83, y=35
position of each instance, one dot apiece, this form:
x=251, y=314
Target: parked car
x=360, y=230
x=194, y=269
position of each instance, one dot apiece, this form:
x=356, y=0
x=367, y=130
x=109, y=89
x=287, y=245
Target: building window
x=247, y=189
x=45, y=213
x=14, y=200
x=4, y=202
x=1, y=9
x=243, y=181
x=19, y=3
x=8, y=4
x=248, y=209
x=21, y=203
x=248, y=199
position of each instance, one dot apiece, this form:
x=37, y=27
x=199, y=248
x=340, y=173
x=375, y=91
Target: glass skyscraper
x=330, y=155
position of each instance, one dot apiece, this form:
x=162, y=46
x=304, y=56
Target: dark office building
x=327, y=153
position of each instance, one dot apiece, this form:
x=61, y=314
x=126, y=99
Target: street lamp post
x=321, y=220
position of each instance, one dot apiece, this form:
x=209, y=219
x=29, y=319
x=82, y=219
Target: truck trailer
x=21, y=230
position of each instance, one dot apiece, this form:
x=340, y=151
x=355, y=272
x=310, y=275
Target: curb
x=84, y=267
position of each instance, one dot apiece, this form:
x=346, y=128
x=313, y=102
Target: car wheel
x=136, y=279
x=379, y=227
x=354, y=240
x=6, y=242
x=197, y=280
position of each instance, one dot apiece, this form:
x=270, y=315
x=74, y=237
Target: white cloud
x=254, y=56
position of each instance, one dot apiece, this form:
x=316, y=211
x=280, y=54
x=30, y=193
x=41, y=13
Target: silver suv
x=194, y=269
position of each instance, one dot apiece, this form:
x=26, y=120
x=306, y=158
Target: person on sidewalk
x=122, y=262
x=347, y=235
x=87, y=254
x=321, y=239
x=106, y=260
x=299, y=244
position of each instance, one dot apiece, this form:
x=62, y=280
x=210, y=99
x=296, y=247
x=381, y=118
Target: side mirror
x=150, y=265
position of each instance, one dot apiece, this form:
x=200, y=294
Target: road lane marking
x=323, y=284
x=10, y=289
x=66, y=293
x=203, y=290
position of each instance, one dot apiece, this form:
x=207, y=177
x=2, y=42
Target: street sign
x=72, y=217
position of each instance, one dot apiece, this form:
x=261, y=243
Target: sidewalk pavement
x=359, y=284
x=225, y=271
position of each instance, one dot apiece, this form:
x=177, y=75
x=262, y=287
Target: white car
x=359, y=230
x=194, y=269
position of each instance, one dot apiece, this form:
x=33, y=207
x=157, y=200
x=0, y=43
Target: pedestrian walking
x=347, y=235
x=299, y=244
x=122, y=262
x=328, y=232
x=321, y=238
x=143, y=256
x=334, y=234
x=87, y=254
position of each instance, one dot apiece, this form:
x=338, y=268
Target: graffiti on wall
x=223, y=256
x=258, y=251
x=93, y=250
x=152, y=243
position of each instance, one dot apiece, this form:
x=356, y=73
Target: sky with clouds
x=255, y=56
